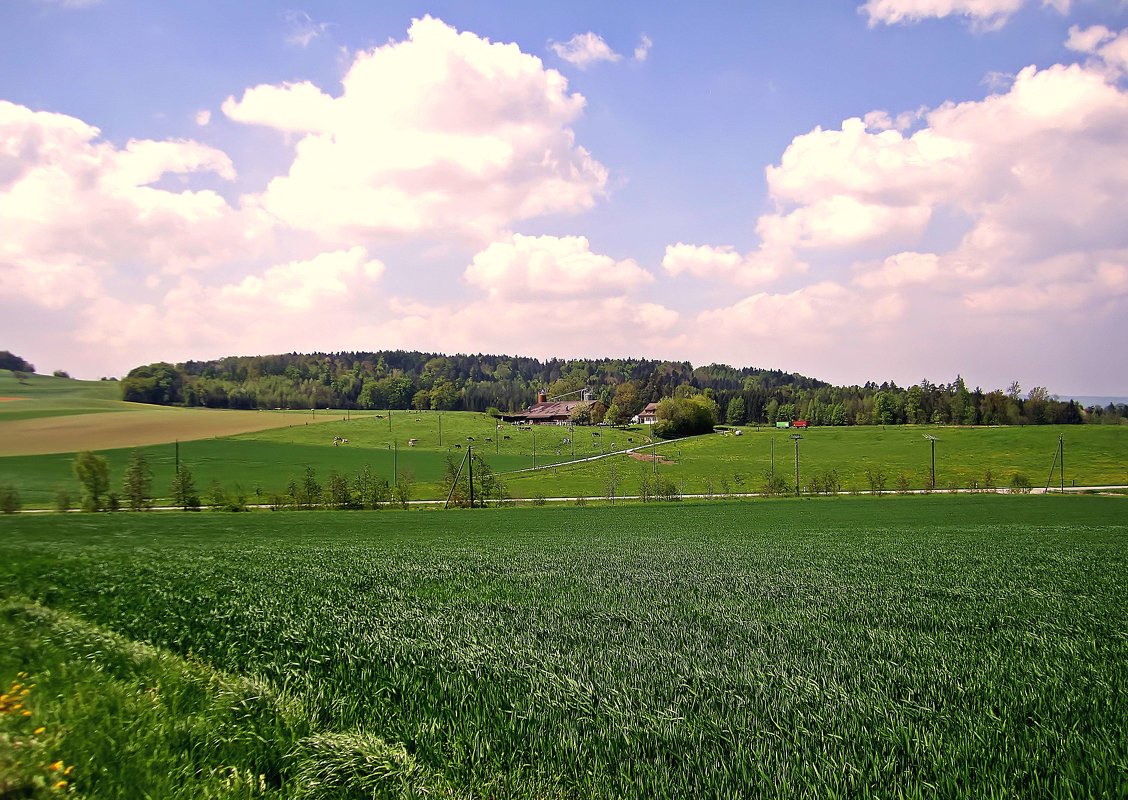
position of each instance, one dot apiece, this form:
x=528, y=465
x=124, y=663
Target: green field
x=901, y=647
x=260, y=452
x=46, y=415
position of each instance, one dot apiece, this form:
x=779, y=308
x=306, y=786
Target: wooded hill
x=400, y=380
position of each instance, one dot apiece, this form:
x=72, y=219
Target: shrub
x=63, y=500
x=774, y=485
x=539, y=500
x=1020, y=484
x=10, y=501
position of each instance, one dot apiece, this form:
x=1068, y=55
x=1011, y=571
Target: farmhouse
x=546, y=412
x=648, y=416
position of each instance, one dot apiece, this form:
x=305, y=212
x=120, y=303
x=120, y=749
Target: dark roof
x=548, y=411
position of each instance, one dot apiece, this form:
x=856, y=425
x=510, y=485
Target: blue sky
x=881, y=190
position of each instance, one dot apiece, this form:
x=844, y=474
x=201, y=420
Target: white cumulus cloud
x=984, y=14
x=443, y=132
x=550, y=266
x=74, y=208
x=585, y=49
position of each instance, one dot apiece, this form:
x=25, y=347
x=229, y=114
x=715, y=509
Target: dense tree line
x=14, y=363
x=406, y=379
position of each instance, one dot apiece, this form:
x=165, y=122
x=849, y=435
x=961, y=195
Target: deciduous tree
x=93, y=472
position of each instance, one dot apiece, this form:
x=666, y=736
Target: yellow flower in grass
x=60, y=785
x=56, y=766
x=69, y=770
x=38, y=731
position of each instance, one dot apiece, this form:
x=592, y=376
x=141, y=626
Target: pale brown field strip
x=148, y=426
x=11, y=399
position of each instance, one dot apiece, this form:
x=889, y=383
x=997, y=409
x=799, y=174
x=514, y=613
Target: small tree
x=645, y=486
x=877, y=479
x=405, y=483
x=184, y=492
x=136, y=485
x=62, y=499
x=612, y=480
x=774, y=484
x=1020, y=484
x=10, y=501
x=337, y=490
x=308, y=492
x=735, y=415
x=370, y=491
x=93, y=472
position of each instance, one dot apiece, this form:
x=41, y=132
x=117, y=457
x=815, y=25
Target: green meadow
x=970, y=646
x=48, y=419
x=1094, y=456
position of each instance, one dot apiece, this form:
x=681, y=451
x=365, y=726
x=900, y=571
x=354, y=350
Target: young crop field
x=970, y=646
x=46, y=415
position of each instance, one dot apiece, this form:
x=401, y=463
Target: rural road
x=717, y=496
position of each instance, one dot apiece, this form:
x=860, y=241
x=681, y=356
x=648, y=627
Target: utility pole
x=395, y=463
x=470, y=464
x=773, y=455
x=533, y=428
x=932, y=440
x=1061, y=460
x=440, y=429
x=796, y=437
x=177, y=456
x=572, y=437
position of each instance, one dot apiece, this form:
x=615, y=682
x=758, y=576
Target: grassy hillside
x=1095, y=455
x=915, y=647
x=267, y=460
x=41, y=415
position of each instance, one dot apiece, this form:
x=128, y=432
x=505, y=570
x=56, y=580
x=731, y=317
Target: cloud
x=984, y=14
x=524, y=267
x=725, y=264
x=568, y=327
x=203, y=118
x=76, y=209
x=970, y=233
x=445, y=132
x=540, y=295
x=302, y=29
x=300, y=304
x=70, y=3
x=902, y=269
x=642, y=49
x=585, y=49
x=1110, y=49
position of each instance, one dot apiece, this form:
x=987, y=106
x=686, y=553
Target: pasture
x=912, y=647
x=1095, y=456
x=259, y=452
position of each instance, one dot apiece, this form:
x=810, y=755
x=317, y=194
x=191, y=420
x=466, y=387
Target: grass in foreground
x=910, y=647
